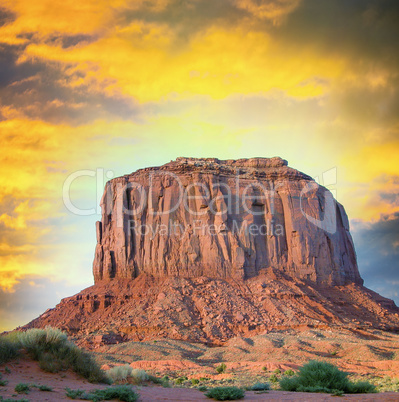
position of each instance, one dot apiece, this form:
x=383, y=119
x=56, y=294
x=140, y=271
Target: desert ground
x=368, y=355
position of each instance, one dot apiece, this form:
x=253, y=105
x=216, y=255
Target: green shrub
x=180, y=380
x=289, y=372
x=264, y=368
x=3, y=383
x=277, y=371
x=44, y=388
x=362, y=387
x=51, y=348
x=317, y=376
x=74, y=393
x=221, y=368
x=194, y=381
x=225, y=393
x=260, y=386
x=119, y=373
x=337, y=392
x=119, y=392
x=202, y=388
x=22, y=388
x=7, y=370
x=273, y=378
x=8, y=348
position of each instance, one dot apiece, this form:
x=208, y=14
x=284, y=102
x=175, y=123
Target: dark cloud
x=187, y=18
x=42, y=91
x=376, y=106
x=67, y=41
x=366, y=29
x=32, y=296
x=6, y=16
x=377, y=247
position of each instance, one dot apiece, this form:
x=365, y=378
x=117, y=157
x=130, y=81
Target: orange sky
x=120, y=85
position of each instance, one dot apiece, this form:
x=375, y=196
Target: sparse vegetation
x=225, y=393
x=289, y=373
x=317, y=376
x=119, y=373
x=194, y=381
x=221, y=368
x=387, y=384
x=180, y=380
x=51, y=348
x=139, y=376
x=8, y=348
x=273, y=378
x=120, y=392
x=260, y=386
x=22, y=388
x=44, y=388
x=277, y=371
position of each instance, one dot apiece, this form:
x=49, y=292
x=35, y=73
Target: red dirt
x=27, y=371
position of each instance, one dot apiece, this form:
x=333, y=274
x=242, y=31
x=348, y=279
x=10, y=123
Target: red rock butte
x=222, y=219
x=203, y=250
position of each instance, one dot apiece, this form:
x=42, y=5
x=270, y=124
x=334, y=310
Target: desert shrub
x=139, y=375
x=119, y=392
x=51, y=348
x=289, y=372
x=22, y=388
x=221, y=368
x=277, y=371
x=361, y=387
x=264, y=368
x=225, y=393
x=387, y=384
x=35, y=340
x=337, y=392
x=74, y=393
x=7, y=370
x=44, y=388
x=273, y=378
x=119, y=373
x=194, y=381
x=260, y=386
x=202, y=388
x=3, y=383
x=180, y=380
x=8, y=348
x=317, y=376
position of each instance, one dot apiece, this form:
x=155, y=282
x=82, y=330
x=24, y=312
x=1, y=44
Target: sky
x=108, y=87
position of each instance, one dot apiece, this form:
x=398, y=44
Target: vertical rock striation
x=223, y=219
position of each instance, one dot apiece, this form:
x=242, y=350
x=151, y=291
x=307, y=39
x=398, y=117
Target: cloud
x=269, y=9
x=378, y=254
x=362, y=30
x=6, y=16
x=43, y=90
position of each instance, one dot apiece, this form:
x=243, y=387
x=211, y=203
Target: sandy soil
x=27, y=371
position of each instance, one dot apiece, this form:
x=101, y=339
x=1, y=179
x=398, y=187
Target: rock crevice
x=223, y=219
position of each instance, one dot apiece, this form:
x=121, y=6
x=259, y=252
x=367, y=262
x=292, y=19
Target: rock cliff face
x=227, y=219
x=203, y=250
